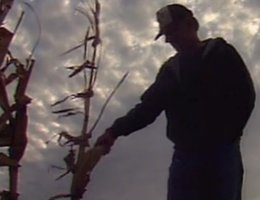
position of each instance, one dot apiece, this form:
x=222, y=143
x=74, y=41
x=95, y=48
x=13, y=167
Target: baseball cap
x=170, y=14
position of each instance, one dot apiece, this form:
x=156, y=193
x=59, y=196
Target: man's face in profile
x=177, y=34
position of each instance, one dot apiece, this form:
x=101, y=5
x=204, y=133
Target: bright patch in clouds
x=210, y=17
x=253, y=27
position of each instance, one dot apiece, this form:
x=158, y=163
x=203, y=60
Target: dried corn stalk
x=5, y=6
x=87, y=156
x=13, y=129
x=14, y=119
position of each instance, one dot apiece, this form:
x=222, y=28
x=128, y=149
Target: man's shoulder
x=171, y=60
x=171, y=63
x=216, y=47
x=169, y=69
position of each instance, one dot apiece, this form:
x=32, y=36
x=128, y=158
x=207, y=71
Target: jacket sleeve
x=240, y=90
x=153, y=102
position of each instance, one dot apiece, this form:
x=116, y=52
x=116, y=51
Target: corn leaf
x=60, y=101
x=107, y=101
x=39, y=28
x=78, y=46
x=64, y=110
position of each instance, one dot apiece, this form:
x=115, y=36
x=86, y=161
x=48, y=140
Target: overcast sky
x=137, y=167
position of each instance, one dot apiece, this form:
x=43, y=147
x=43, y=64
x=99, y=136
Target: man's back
x=214, y=97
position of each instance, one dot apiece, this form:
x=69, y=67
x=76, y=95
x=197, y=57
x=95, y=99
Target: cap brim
x=158, y=35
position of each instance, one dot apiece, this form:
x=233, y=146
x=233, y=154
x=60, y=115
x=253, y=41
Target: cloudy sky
x=137, y=167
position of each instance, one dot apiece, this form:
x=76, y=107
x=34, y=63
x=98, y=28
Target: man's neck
x=192, y=47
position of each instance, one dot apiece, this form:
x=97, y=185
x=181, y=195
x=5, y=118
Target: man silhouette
x=207, y=95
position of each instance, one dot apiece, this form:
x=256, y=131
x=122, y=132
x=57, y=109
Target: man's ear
x=191, y=23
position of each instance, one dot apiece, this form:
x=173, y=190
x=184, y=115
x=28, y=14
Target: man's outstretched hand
x=106, y=140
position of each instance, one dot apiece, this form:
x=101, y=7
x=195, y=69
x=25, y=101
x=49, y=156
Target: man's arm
x=153, y=102
x=240, y=87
